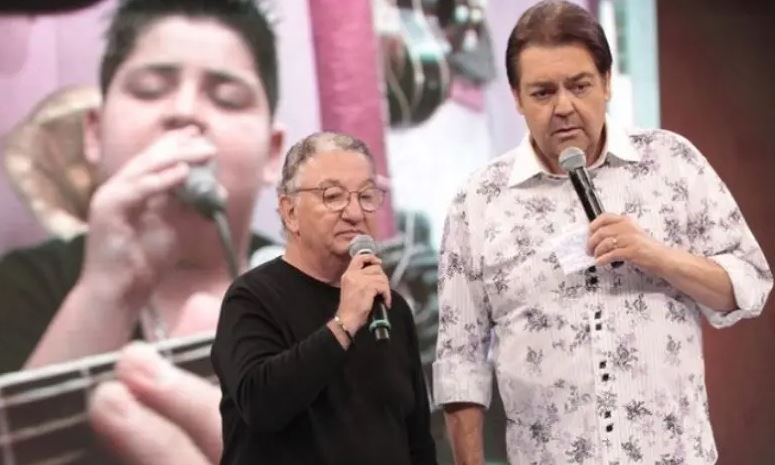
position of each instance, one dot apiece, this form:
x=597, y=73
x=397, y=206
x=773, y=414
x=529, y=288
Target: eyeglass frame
x=350, y=193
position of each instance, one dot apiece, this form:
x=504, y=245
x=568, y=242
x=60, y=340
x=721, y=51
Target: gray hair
x=312, y=145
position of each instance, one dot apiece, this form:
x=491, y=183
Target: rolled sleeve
x=751, y=286
x=456, y=380
x=718, y=231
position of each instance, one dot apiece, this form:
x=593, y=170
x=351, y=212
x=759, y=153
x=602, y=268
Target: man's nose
x=564, y=104
x=353, y=211
x=184, y=108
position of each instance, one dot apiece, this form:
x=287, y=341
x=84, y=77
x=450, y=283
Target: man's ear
x=517, y=99
x=274, y=161
x=91, y=135
x=607, y=86
x=289, y=213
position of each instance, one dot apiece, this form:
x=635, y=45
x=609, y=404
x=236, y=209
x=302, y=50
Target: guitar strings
x=87, y=381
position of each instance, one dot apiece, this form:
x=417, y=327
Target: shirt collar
x=527, y=164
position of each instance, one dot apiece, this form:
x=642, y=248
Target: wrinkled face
x=197, y=73
x=308, y=214
x=563, y=98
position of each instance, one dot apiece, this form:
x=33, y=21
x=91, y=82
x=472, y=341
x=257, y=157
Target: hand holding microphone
x=365, y=291
x=132, y=239
x=202, y=191
x=574, y=161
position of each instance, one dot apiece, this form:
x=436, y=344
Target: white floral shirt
x=603, y=366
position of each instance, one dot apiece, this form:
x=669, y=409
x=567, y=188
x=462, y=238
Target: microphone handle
x=586, y=192
x=379, y=325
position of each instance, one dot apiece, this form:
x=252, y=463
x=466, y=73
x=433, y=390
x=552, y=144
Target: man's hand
x=614, y=237
x=618, y=238
x=361, y=282
x=156, y=414
x=131, y=239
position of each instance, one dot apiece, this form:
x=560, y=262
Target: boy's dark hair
x=244, y=17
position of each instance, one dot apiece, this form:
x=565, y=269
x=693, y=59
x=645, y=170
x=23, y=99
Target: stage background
x=703, y=68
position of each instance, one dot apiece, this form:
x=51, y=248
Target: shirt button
x=602, y=364
x=598, y=326
x=607, y=414
x=605, y=377
x=609, y=428
x=598, y=314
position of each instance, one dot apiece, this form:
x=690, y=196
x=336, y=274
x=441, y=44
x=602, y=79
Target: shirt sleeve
x=33, y=284
x=461, y=372
x=269, y=382
x=717, y=230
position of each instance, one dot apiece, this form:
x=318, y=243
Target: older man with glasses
x=301, y=381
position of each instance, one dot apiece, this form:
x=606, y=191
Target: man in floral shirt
x=602, y=365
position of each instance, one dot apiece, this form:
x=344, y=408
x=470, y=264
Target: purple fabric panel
x=349, y=79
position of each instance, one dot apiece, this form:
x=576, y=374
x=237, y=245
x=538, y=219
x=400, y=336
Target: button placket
x=605, y=377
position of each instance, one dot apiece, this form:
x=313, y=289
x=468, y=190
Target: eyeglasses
x=337, y=198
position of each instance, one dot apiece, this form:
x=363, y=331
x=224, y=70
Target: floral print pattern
x=603, y=366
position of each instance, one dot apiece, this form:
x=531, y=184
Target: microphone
x=202, y=191
x=574, y=162
x=379, y=324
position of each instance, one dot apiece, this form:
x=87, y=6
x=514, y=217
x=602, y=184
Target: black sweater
x=34, y=282
x=293, y=395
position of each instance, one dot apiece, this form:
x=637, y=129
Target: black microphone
x=379, y=324
x=574, y=161
x=202, y=191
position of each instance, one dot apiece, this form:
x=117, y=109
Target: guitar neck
x=43, y=411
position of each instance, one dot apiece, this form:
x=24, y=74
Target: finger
x=360, y=261
x=617, y=254
x=125, y=194
x=604, y=219
x=382, y=287
x=597, y=237
x=373, y=269
x=197, y=156
x=158, y=203
x=388, y=296
x=186, y=400
x=605, y=246
x=134, y=433
x=161, y=181
x=169, y=150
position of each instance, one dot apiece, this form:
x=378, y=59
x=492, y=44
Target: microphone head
x=202, y=191
x=362, y=243
x=572, y=158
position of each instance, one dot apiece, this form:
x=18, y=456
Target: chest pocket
x=520, y=269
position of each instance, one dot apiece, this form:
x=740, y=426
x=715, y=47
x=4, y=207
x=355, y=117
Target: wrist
x=107, y=294
x=666, y=261
x=352, y=321
x=339, y=333
x=345, y=328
